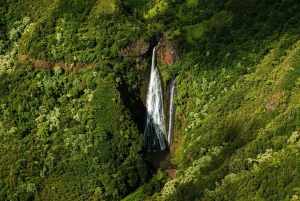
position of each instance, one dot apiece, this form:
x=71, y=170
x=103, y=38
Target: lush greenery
x=238, y=101
x=67, y=135
x=69, y=96
x=67, y=117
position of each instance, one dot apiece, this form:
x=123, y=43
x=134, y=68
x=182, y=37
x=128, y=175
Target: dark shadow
x=161, y=159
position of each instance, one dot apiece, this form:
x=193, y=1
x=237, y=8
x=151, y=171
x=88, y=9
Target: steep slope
x=67, y=117
x=242, y=142
x=67, y=135
x=238, y=102
x=70, y=81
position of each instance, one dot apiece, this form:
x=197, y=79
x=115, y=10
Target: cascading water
x=155, y=129
x=171, y=109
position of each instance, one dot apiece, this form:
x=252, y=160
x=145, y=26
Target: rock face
x=168, y=53
x=135, y=51
x=275, y=101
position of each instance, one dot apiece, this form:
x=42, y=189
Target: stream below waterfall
x=161, y=159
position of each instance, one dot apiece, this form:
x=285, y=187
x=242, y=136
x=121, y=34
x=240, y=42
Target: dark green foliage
x=154, y=185
x=68, y=99
x=67, y=139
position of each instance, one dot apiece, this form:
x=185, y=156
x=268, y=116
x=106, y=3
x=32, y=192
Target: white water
x=171, y=109
x=155, y=129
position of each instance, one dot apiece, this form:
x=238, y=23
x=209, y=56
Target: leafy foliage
x=237, y=105
x=62, y=133
x=68, y=101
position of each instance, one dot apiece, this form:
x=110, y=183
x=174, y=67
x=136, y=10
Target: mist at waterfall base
x=156, y=138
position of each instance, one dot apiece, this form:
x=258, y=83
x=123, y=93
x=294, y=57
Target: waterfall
x=155, y=129
x=171, y=109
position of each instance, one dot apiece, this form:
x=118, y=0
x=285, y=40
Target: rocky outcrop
x=168, y=53
x=40, y=64
x=275, y=101
x=135, y=51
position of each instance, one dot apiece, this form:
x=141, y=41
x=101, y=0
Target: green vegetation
x=238, y=104
x=69, y=90
x=155, y=185
x=67, y=125
x=67, y=134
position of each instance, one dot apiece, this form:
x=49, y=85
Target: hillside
x=72, y=90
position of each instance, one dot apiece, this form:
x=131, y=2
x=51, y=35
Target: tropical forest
x=150, y=100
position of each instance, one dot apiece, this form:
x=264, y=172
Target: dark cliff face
x=135, y=51
x=143, y=98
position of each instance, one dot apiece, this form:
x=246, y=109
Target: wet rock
x=168, y=53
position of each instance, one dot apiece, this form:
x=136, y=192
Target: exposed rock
x=40, y=64
x=135, y=51
x=275, y=101
x=168, y=53
x=171, y=172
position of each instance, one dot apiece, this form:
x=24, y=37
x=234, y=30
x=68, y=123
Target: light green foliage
x=47, y=121
x=57, y=70
x=267, y=156
x=294, y=138
x=195, y=32
x=295, y=198
x=13, y=34
x=190, y=174
x=168, y=189
x=53, y=118
x=192, y=3
x=7, y=59
x=19, y=28
x=103, y=7
x=28, y=187
x=6, y=63
x=159, y=8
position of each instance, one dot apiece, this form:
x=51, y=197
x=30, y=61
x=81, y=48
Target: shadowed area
x=161, y=159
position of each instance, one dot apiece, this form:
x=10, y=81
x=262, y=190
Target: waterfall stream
x=171, y=108
x=155, y=129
